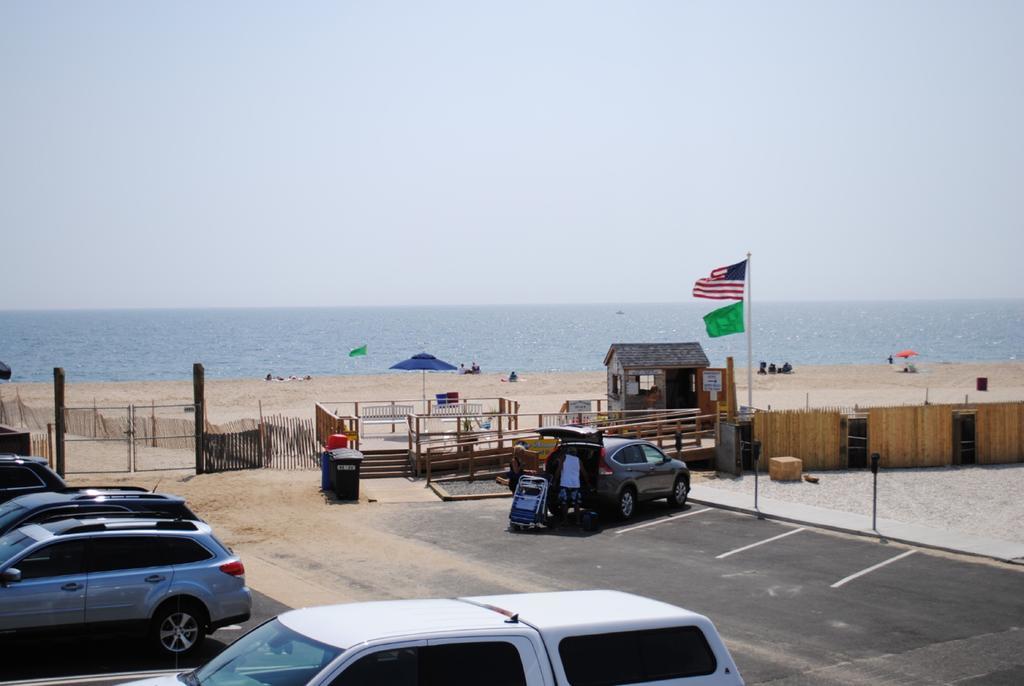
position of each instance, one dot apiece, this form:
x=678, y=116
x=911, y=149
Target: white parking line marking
x=872, y=568
x=92, y=678
x=232, y=627
x=754, y=545
x=662, y=521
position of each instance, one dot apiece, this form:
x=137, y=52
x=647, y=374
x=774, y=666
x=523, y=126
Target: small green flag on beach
x=360, y=351
x=725, y=320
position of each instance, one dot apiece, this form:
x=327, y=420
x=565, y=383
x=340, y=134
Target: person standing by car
x=569, y=475
x=515, y=468
x=551, y=467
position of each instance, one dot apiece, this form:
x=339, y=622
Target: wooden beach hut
x=658, y=376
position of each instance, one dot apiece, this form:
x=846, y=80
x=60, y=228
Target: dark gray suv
x=626, y=471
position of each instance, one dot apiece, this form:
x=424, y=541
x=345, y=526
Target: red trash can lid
x=337, y=441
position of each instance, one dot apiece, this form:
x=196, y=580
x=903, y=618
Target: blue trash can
x=325, y=471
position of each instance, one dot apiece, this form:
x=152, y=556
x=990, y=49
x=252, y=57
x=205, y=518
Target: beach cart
x=529, y=504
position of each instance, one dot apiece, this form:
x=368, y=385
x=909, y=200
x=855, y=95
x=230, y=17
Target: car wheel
x=680, y=490
x=627, y=503
x=178, y=627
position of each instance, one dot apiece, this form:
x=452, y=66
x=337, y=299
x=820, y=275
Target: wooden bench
x=456, y=409
x=384, y=414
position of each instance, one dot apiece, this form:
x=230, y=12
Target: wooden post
x=730, y=390
x=262, y=447
x=501, y=441
x=419, y=448
x=49, y=444
x=152, y=422
x=199, y=398
x=58, y=414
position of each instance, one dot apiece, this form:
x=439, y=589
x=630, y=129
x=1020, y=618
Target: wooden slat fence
x=919, y=436
x=41, y=446
x=1000, y=433
x=278, y=443
x=232, y=451
x=811, y=435
x=905, y=436
x=290, y=443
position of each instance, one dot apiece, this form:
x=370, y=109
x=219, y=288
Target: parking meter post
x=875, y=457
x=756, y=455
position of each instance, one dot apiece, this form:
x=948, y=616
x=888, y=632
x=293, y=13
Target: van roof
x=348, y=625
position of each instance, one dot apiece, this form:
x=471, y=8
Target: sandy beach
x=824, y=386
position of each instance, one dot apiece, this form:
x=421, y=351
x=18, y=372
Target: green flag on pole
x=361, y=351
x=725, y=320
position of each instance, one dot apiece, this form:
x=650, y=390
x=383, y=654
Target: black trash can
x=345, y=465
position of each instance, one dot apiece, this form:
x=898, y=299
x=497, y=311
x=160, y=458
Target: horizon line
x=127, y=308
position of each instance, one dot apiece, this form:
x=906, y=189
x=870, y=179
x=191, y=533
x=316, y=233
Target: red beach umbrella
x=905, y=354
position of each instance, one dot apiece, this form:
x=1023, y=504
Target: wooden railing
x=329, y=423
x=471, y=449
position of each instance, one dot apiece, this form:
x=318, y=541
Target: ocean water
x=124, y=345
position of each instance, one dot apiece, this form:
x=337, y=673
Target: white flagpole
x=750, y=346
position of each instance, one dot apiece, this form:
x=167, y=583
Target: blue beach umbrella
x=424, y=362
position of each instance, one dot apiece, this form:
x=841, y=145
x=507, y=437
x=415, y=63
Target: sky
x=195, y=154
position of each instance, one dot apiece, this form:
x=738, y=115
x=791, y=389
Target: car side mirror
x=10, y=576
x=665, y=459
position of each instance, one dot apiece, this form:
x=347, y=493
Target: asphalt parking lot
x=795, y=605
x=62, y=659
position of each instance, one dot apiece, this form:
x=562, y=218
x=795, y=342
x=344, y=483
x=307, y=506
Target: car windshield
x=13, y=543
x=269, y=654
x=10, y=512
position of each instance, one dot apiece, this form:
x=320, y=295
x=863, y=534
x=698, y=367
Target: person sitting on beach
x=513, y=377
x=763, y=368
x=772, y=369
x=787, y=368
x=462, y=368
x=270, y=377
x=474, y=368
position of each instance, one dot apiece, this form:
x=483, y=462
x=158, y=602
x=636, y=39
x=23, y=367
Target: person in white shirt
x=570, y=474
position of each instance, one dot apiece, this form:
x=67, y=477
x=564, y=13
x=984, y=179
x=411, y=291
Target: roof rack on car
x=82, y=489
x=113, y=514
x=90, y=527
x=114, y=495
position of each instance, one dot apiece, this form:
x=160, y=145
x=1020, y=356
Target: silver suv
x=169, y=579
x=625, y=471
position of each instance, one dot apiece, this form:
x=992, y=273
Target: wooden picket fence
x=278, y=442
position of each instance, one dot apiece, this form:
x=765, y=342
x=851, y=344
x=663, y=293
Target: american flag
x=725, y=283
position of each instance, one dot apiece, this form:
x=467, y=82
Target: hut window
x=646, y=382
x=615, y=384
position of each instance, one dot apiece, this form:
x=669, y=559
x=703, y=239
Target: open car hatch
x=573, y=433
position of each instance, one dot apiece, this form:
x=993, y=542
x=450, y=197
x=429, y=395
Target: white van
x=575, y=638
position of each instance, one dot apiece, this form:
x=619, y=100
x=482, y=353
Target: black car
x=21, y=475
x=39, y=508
